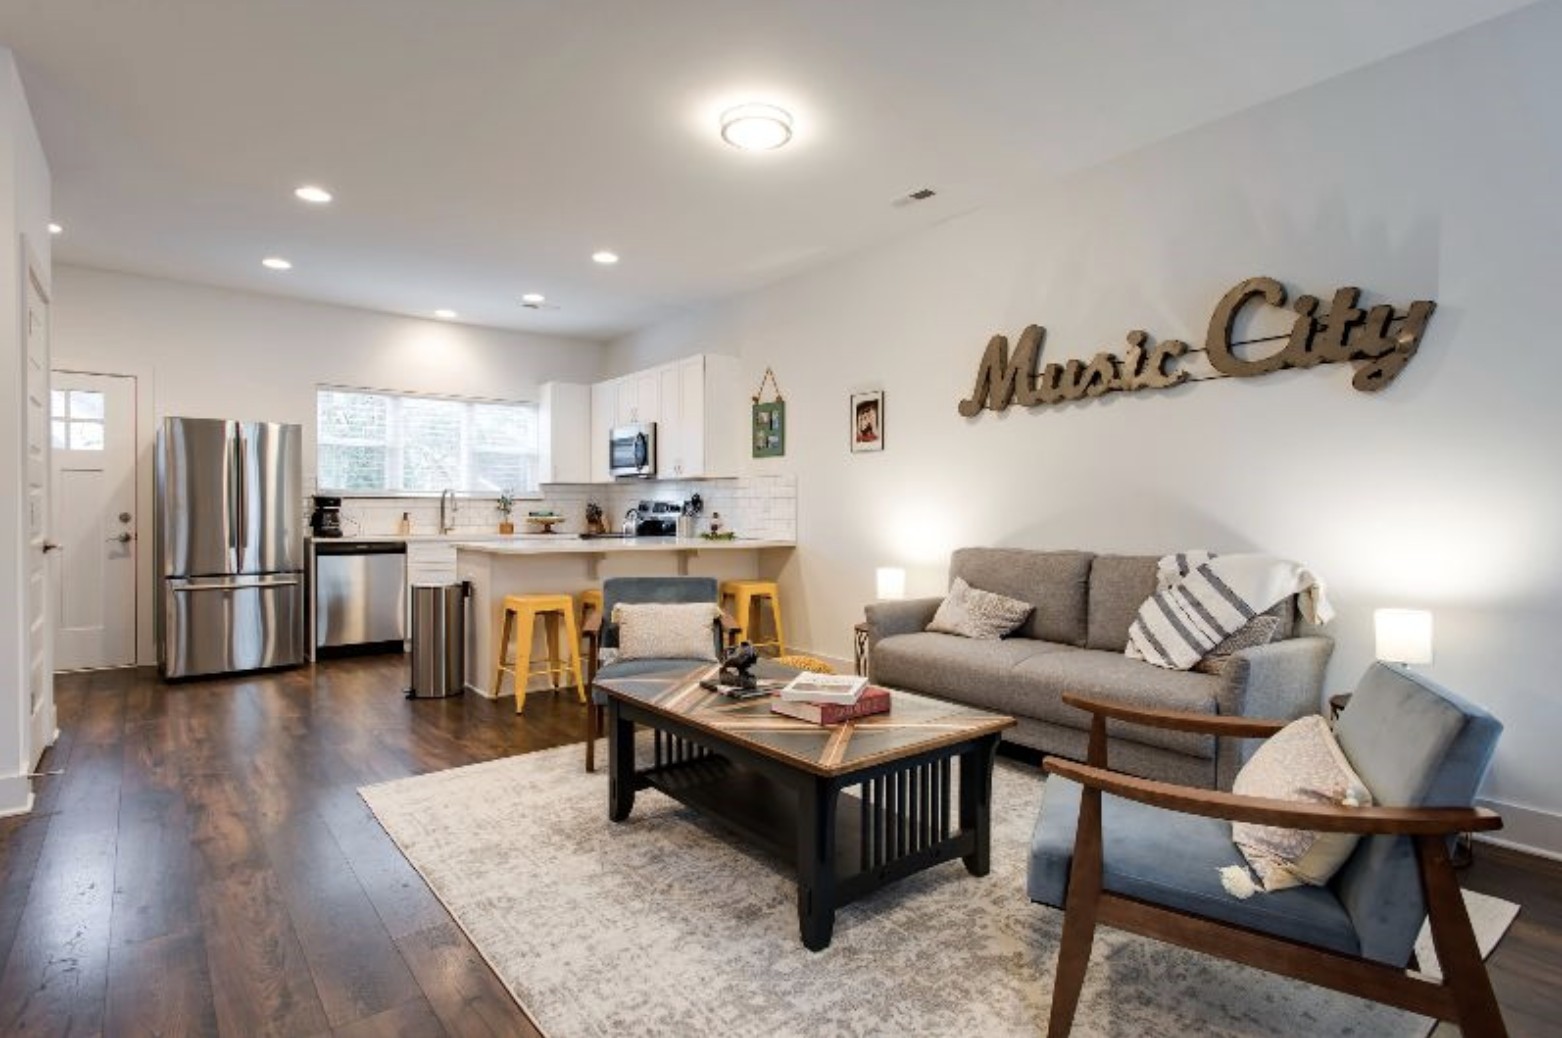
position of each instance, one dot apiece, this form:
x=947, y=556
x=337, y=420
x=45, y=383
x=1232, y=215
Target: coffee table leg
x=816, y=865
x=620, y=763
x=976, y=794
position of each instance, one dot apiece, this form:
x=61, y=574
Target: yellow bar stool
x=521, y=613
x=746, y=597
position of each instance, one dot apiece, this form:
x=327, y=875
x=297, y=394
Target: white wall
x=208, y=352
x=1430, y=176
x=24, y=219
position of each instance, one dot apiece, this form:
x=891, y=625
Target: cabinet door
x=626, y=395
x=673, y=459
x=604, y=415
x=690, y=379
x=564, y=438
x=646, y=391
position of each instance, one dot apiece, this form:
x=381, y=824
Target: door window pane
x=86, y=436
x=57, y=435
x=57, y=403
x=86, y=403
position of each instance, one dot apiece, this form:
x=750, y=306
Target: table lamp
x=891, y=582
x=1404, y=636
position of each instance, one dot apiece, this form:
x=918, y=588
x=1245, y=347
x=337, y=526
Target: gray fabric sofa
x=1073, y=642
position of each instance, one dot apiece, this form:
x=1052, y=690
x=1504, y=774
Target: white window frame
x=394, y=447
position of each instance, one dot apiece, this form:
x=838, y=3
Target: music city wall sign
x=1384, y=341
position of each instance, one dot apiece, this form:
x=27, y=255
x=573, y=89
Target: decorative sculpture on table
x=736, y=668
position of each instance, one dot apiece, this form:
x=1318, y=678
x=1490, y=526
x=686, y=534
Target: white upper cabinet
x=636, y=398
x=564, y=434
x=604, y=407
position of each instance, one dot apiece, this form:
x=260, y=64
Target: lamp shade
x=1403, y=635
x=891, y=582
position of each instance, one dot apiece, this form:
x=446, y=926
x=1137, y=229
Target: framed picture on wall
x=867, y=421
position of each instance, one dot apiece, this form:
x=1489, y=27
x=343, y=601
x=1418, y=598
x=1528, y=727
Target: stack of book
x=830, y=698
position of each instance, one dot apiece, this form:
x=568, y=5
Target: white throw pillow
x=666, y=630
x=1303, y=763
x=973, y=613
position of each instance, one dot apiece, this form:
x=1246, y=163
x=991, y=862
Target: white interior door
x=40, y=673
x=93, y=432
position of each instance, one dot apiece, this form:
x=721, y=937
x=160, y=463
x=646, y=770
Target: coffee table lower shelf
x=844, y=835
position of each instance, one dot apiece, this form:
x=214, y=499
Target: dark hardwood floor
x=204, y=865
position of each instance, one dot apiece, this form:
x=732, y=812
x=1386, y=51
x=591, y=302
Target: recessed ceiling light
x=756, y=127
x=55, y=228
x=446, y=315
x=276, y=263
x=605, y=257
x=313, y=193
x=534, y=299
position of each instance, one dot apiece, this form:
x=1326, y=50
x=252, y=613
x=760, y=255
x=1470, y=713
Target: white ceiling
x=480, y=149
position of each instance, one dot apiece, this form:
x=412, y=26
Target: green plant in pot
x=506, y=505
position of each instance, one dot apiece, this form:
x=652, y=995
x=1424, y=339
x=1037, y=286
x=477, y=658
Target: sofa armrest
x=1280, y=681
x=903, y=617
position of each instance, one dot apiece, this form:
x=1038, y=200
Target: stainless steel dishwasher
x=360, y=595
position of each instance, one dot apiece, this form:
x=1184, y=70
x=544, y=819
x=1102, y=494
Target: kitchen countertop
x=567, y=544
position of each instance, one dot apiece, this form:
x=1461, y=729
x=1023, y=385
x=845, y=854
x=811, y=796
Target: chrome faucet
x=447, y=516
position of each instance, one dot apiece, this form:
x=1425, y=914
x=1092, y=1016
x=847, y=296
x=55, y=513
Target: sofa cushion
x=973, y=613
x=1109, y=675
x=1119, y=584
x=1174, y=860
x=1055, y=582
x=951, y=667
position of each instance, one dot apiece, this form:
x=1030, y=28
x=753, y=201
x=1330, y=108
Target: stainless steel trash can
x=438, y=640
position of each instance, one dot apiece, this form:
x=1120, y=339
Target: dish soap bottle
x=404, y=527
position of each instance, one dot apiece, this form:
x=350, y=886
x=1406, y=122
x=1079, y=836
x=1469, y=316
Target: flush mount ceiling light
x=313, y=193
x=756, y=127
x=604, y=257
x=55, y=228
x=446, y=315
x=534, y=299
x=276, y=263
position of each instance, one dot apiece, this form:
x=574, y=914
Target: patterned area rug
x=666, y=924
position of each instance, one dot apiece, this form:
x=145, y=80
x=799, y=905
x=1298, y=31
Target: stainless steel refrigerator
x=230, y=546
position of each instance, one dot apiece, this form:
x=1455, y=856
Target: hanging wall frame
x=768, y=431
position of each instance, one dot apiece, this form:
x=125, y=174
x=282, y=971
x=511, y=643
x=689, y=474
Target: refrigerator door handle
x=184, y=589
x=240, y=499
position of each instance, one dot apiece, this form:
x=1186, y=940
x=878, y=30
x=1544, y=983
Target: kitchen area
x=638, y=475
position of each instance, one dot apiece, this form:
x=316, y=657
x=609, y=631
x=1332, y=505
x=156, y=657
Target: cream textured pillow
x=974, y=613
x=1302, y=762
x=666, y=630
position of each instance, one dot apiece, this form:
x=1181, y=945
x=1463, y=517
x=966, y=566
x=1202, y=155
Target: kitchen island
x=563, y=564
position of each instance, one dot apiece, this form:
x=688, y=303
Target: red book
x=874, y=700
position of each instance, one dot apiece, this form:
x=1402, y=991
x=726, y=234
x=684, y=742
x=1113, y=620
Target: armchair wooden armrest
x=1177, y=720
x=1401, y=821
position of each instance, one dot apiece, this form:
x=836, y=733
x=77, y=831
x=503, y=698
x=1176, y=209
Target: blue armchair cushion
x=1174, y=860
x=1415, y=744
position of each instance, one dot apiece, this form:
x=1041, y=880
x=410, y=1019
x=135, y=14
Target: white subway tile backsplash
x=757, y=506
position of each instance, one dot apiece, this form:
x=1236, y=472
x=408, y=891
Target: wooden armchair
x=1143, y=856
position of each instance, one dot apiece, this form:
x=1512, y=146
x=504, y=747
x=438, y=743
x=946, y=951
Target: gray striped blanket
x=1202, y=599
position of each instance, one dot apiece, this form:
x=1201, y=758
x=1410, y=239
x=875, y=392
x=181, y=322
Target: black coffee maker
x=327, y=518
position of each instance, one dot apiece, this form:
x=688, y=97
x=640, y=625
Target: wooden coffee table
x=853, y=806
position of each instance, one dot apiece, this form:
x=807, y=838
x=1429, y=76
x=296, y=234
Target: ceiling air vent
x=920, y=195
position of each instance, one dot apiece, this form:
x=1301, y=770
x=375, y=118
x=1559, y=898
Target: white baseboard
x=16, y=795
x=1528, y=829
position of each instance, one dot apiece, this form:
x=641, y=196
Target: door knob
x=123, y=538
x=124, y=517
x=49, y=546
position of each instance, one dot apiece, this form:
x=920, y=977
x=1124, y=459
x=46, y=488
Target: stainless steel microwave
x=632, y=450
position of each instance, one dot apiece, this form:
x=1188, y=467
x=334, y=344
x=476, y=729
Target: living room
x=1406, y=149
